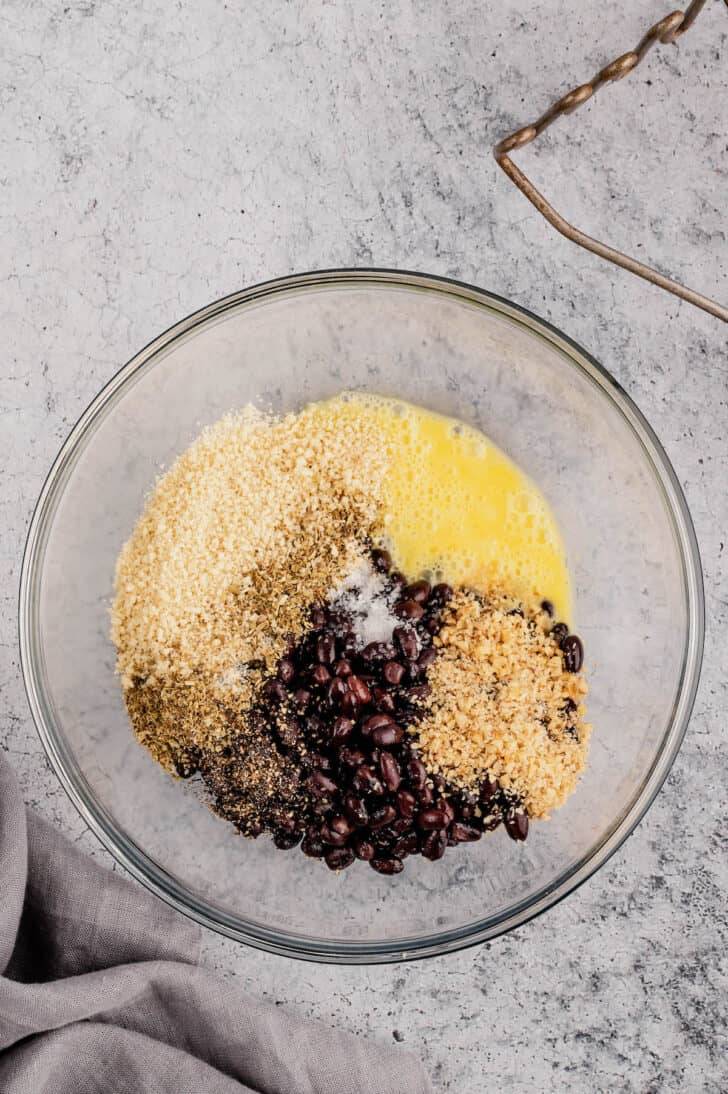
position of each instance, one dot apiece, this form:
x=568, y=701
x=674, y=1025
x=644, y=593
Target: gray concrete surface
x=154, y=156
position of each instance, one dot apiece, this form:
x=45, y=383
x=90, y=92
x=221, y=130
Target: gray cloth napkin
x=100, y=992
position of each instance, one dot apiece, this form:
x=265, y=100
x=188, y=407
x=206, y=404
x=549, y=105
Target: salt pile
x=368, y=597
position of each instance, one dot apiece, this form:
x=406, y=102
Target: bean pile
x=570, y=645
x=343, y=714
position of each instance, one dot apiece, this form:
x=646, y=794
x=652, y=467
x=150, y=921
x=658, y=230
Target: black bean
x=363, y=848
x=425, y=795
x=343, y=667
x=302, y=697
x=366, y=782
x=333, y=839
x=559, y=632
x=441, y=595
x=337, y=691
x=393, y=672
x=409, y=609
x=414, y=674
x=375, y=721
x=447, y=808
x=314, y=724
x=352, y=757
x=417, y=693
x=410, y=715
x=464, y=833
x=433, y=626
x=312, y=844
x=350, y=705
x=339, y=858
x=573, y=653
x=359, y=689
x=390, y=771
x=488, y=789
x=406, y=803
x=382, y=816
x=318, y=619
x=347, y=645
x=434, y=844
x=468, y=805
x=431, y=819
x=547, y=606
x=320, y=675
x=516, y=825
x=286, y=670
x=426, y=659
x=342, y=825
x=419, y=591
x=326, y=648
x=342, y=729
x=275, y=692
x=378, y=651
x=321, y=784
x=399, y=827
x=416, y=773
x=389, y=735
x=284, y=841
x=387, y=866
x=356, y=810
x=491, y=823
x=406, y=639
x=382, y=560
x=405, y=845
x=382, y=700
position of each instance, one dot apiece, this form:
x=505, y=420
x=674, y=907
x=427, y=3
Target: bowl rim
x=343, y=951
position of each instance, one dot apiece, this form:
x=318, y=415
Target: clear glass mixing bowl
x=632, y=552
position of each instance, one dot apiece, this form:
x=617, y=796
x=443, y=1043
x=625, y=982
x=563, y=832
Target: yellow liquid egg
x=456, y=507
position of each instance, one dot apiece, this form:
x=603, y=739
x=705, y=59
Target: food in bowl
x=345, y=620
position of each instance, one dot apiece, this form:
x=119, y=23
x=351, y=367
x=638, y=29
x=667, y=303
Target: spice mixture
x=266, y=641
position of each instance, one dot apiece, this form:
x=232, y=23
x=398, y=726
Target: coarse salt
x=369, y=599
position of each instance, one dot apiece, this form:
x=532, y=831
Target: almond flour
x=256, y=521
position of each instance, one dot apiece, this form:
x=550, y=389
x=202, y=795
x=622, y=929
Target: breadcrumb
x=503, y=705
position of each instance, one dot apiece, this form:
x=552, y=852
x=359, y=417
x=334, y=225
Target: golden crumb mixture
x=256, y=521
x=503, y=704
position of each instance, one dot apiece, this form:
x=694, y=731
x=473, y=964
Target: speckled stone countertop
x=156, y=156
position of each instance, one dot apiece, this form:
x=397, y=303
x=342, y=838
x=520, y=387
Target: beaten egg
x=457, y=508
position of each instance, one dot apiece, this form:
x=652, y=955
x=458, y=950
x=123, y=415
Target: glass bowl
x=632, y=553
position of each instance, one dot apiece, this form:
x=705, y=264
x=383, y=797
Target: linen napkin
x=101, y=992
